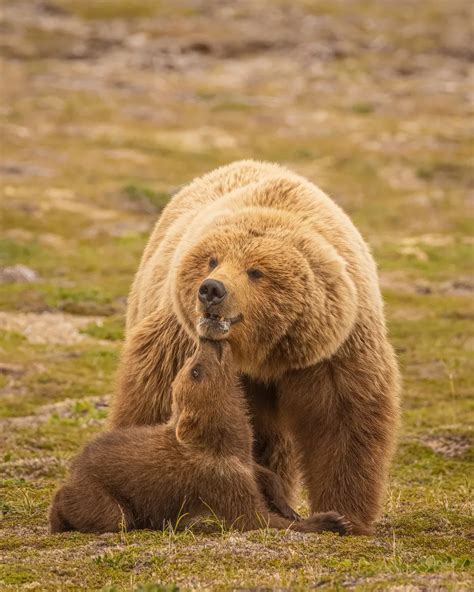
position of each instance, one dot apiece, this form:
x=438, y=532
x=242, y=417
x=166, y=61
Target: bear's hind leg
x=57, y=521
x=87, y=507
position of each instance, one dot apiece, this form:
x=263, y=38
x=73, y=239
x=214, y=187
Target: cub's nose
x=211, y=292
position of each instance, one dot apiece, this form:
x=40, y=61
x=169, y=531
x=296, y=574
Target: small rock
x=18, y=274
x=20, y=169
x=433, y=370
x=19, y=234
x=415, y=252
x=47, y=328
x=448, y=445
x=55, y=241
x=423, y=288
x=459, y=287
x=11, y=369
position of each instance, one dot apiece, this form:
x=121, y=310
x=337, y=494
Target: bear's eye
x=196, y=372
x=254, y=273
x=212, y=263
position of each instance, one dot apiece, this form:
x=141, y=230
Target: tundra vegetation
x=106, y=109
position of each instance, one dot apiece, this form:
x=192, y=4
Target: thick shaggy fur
x=319, y=372
x=199, y=463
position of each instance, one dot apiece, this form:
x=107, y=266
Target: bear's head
x=267, y=283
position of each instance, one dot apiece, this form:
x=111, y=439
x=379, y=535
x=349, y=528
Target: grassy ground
x=107, y=108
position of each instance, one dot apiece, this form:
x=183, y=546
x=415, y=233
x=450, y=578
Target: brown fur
x=320, y=374
x=200, y=462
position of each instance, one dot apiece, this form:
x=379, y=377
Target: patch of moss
x=111, y=329
x=110, y=9
x=145, y=198
x=363, y=108
x=76, y=373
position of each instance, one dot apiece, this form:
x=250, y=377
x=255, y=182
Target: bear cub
x=198, y=464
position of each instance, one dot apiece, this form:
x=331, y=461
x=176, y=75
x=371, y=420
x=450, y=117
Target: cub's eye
x=212, y=263
x=196, y=372
x=254, y=274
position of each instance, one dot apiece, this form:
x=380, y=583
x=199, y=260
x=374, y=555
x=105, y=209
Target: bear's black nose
x=212, y=292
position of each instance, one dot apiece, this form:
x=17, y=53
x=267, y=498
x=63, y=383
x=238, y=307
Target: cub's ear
x=187, y=428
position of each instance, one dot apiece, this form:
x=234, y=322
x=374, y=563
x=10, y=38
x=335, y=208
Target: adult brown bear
x=260, y=256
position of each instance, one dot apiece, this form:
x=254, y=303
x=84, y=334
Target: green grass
x=110, y=9
x=119, y=112
x=143, y=197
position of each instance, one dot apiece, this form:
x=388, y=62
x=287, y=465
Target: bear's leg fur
x=153, y=353
x=273, y=447
x=343, y=414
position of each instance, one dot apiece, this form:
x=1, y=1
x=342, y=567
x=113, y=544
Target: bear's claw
x=329, y=522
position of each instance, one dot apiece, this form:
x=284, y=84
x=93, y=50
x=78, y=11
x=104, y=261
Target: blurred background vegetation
x=109, y=106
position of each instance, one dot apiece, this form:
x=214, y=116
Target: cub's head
x=280, y=295
x=208, y=371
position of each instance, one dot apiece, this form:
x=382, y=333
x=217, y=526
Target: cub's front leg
x=272, y=490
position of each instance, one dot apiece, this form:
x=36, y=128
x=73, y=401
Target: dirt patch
x=118, y=229
x=68, y=408
x=426, y=583
x=20, y=169
x=11, y=369
x=89, y=548
x=458, y=287
x=434, y=370
x=196, y=140
x=398, y=282
x=66, y=200
x=47, y=327
x=430, y=240
x=18, y=274
x=42, y=466
x=449, y=445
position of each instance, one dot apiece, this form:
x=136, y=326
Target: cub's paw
x=292, y=515
x=283, y=509
x=328, y=522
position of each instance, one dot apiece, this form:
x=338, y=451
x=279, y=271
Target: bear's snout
x=211, y=292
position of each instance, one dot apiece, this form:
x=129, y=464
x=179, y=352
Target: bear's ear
x=322, y=258
x=330, y=308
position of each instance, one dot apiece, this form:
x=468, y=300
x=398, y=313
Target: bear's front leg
x=273, y=448
x=343, y=414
